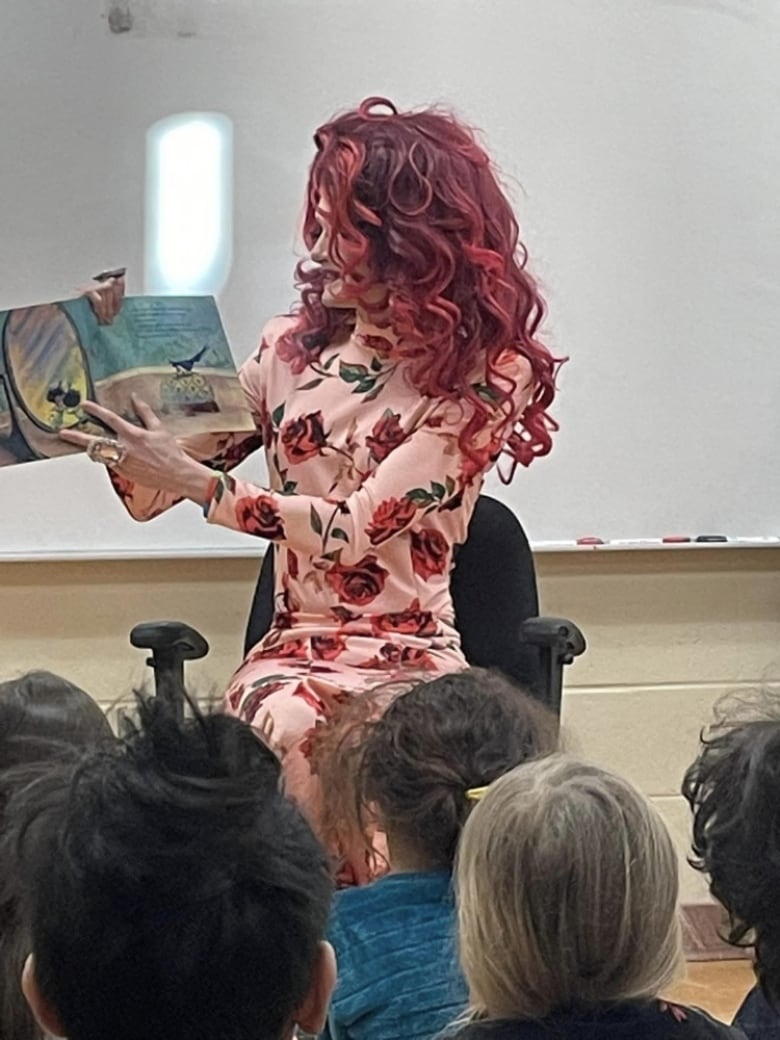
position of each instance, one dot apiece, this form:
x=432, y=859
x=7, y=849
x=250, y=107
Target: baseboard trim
x=704, y=925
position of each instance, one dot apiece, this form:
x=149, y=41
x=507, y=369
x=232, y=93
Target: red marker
x=675, y=539
x=590, y=540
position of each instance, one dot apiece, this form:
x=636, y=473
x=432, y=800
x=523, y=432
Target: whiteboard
x=639, y=140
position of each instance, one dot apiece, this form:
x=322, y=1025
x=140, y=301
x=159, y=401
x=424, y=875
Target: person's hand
x=148, y=455
x=106, y=293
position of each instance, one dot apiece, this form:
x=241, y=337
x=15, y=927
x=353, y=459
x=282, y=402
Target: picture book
x=170, y=351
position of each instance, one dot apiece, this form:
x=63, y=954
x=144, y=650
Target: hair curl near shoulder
x=414, y=197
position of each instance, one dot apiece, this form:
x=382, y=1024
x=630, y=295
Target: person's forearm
x=193, y=480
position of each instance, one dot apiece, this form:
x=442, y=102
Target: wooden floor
x=715, y=986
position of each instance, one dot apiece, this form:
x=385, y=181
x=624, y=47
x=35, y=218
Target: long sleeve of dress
x=426, y=472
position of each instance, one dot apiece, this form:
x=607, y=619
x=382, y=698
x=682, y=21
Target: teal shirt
x=398, y=977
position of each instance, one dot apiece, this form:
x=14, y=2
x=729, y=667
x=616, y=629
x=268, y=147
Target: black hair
x=733, y=788
x=41, y=710
x=173, y=890
x=42, y=718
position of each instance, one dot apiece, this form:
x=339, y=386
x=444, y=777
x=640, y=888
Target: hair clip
x=475, y=794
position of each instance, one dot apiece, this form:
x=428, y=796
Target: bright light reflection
x=189, y=232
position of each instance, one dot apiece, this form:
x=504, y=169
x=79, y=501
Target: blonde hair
x=567, y=891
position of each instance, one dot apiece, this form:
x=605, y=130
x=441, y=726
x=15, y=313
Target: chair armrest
x=172, y=643
x=558, y=635
x=169, y=637
x=559, y=641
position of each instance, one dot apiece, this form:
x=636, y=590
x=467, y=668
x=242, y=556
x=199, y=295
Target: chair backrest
x=261, y=613
x=493, y=589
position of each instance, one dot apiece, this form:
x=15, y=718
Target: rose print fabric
x=369, y=495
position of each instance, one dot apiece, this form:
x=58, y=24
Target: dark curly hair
x=416, y=199
x=173, y=891
x=733, y=788
x=407, y=770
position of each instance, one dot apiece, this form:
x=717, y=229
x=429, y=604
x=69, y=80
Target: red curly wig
x=414, y=202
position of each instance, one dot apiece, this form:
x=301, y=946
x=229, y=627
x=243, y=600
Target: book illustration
x=170, y=351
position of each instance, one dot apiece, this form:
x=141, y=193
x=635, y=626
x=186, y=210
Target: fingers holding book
x=107, y=295
x=148, y=454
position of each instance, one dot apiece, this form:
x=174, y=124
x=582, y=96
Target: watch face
x=46, y=366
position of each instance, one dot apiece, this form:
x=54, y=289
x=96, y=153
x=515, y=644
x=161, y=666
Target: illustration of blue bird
x=187, y=364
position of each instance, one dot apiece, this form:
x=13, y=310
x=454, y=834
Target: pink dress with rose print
x=369, y=494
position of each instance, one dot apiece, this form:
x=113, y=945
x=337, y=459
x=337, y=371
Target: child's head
x=567, y=886
x=42, y=718
x=41, y=711
x=434, y=744
x=733, y=788
x=173, y=891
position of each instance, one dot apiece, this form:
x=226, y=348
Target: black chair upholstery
x=261, y=613
x=496, y=610
x=494, y=591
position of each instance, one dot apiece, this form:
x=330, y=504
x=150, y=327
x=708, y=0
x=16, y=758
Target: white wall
x=638, y=140
x=667, y=635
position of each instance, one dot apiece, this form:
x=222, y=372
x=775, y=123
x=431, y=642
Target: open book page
x=170, y=351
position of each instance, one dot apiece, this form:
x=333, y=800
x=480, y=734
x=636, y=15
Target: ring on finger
x=107, y=451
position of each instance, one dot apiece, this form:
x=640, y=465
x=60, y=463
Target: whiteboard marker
x=590, y=540
x=707, y=538
x=676, y=539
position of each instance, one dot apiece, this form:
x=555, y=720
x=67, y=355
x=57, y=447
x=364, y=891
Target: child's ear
x=44, y=1013
x=312, y=1014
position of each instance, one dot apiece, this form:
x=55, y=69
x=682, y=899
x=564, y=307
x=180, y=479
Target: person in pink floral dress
x=409, y=366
